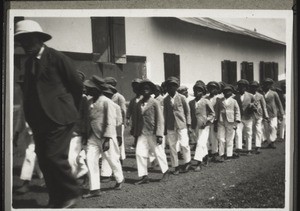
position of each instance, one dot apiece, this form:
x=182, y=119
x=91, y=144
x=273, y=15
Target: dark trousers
x=52, y=147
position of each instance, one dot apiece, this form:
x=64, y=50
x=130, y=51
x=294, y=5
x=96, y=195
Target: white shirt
x=242, y=97
x=173, y=98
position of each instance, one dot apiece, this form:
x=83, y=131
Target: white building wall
x=201, y=50
x=68, y=34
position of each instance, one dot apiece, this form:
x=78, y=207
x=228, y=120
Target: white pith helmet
x=30, y=27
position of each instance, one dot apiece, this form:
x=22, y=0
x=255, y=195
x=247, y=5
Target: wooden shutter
x=275, y=71
x=118, y=46
x=229, y=75
x=172, y=65
x=262, y=71
x=247, y=71
x=100, y=39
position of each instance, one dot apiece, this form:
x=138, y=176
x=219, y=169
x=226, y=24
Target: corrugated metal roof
x=225, y=27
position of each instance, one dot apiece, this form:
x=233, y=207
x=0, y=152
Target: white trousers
x=147, y=145
x=94, y=150
x=244, y=129
x=213, y=139
x=181, y=136
x=281, y=127
x=30, y=161
x=258, y=131
x=270, y=129
x=122, y=147
x=201, y=149
x=106, y=170
x=77, y=163
x=226, y=135
x=152, y=155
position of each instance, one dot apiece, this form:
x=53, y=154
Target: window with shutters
x=108, y=37
x=172, y=65
x=229, y=72
x=268, y=70
x=247, y=71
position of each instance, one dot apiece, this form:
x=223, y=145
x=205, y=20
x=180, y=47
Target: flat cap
x=182, y=88
x=111, y=81
x=243, y=81
x=147, y=81
x=172, y=79
x=228, y=87
x=254, y=83
x=269, y=81
x=213, y=83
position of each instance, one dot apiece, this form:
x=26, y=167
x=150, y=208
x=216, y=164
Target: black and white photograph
x=150, y=109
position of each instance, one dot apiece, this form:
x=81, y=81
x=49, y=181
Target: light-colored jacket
x=274, y=106
x=201, y=112
x=260, y=104
x=176, y=114
x=104, y=118
x=152, y=118
x=230, y=110
x=120, y=100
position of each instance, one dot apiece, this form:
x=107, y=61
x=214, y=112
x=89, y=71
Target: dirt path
x=255, y=181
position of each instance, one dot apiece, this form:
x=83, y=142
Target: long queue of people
x=221, y=122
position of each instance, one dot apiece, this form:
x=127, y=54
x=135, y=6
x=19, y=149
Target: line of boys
x=214, y=120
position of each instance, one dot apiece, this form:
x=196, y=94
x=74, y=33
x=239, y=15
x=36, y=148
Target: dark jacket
x=58, y=86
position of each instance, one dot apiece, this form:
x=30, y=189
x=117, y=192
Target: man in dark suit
x=52, y=94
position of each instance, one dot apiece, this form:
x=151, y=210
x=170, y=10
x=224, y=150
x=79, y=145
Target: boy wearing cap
x=275, y=112
x=202, y=115
x=52, y=94
x=119, y=100
x=102, y=141
x=260, y=114
x=244, y=129
x=150, y=136
x=213, y=90
x=177, y=124
x=106, y=171
x=227, y=118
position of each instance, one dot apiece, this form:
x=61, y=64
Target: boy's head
x=267, y=84
x=146, y=88
x=242, y=86
x=227, y=91
x=135, y=85
x=213, y=87
x=183, y=90
x=172, y=84
x=221, y=86
x=253, y=87
x=199, y=90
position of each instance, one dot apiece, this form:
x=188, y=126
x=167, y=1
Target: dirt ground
x=255, y=181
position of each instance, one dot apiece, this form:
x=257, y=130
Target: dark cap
x=228, y=87
x=147, y=81
x=254, y=83
x=173, y=80
x=107, y=89
x=112, y=88
x=268, y=81
x=110, y=80
x=243, y=81
x=222, y=84
x=213, y=83
x=95, y=82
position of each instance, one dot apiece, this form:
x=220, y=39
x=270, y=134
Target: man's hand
x=159, y=140
x=235, y=125
x=15, y=139
x=105, y=145
x=119, y=138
